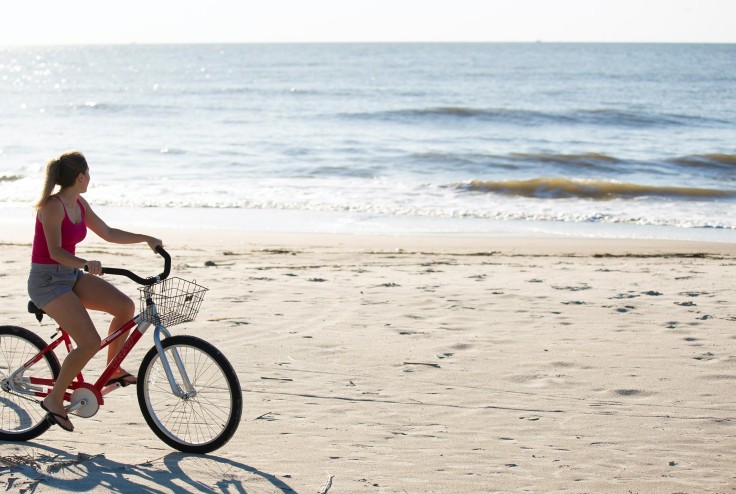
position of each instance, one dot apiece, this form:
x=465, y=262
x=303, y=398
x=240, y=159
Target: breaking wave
x=564, y=188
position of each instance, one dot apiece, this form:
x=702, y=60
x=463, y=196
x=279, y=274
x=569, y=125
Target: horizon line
x=376, y=42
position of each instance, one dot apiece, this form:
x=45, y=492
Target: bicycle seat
x=35, y=310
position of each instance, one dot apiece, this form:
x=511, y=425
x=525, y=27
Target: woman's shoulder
x=85, y=205
x=53, y=208
x=53, y=203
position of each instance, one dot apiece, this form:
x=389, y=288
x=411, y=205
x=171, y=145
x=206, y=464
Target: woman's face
x=84, y=179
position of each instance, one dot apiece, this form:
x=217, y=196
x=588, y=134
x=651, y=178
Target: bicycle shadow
x=50, y=468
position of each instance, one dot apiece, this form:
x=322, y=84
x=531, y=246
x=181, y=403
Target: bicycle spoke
x=21, y=417
x=208, y=414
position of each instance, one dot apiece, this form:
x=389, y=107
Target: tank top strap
x=62, y=205
x=81, y=208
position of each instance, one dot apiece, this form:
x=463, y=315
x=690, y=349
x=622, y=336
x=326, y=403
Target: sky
x=43, y=22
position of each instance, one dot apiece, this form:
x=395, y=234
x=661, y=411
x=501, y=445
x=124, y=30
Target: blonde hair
x=61, y=171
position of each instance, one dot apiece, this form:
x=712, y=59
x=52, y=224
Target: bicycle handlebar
x=138, y=279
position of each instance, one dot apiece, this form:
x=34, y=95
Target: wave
x=598, y=163
x=10, y=178
x=479, y=163
x=564, y=188
x=575, y=158
x=719, y=160
x=567, y=158
x=600, y=117
x=128, y=108
x=715, y=165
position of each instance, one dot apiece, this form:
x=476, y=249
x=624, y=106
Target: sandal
x=56, y=418
x=123, y=380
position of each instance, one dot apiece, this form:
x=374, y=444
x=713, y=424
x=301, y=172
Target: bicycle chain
x=28, y=398
x=21, y=395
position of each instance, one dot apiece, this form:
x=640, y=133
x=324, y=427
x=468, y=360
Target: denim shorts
x=47, y=282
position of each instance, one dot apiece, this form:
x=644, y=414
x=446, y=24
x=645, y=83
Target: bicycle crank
x=85, y=402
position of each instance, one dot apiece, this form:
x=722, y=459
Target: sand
x=419, y=364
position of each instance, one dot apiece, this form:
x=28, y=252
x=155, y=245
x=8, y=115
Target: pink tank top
x=71, y=235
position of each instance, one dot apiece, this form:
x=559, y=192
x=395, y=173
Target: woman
x=57, y=283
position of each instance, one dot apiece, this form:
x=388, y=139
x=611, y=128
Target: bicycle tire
x=21, y=417
x=201, y=423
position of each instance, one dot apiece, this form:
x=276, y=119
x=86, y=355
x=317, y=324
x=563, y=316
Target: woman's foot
x=122, y=378
x=57, y=415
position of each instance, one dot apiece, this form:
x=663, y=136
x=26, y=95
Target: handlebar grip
x=167, y=262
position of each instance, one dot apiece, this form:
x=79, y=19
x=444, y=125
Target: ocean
x=613, y=140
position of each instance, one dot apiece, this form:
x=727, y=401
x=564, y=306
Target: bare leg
x=97, y=294
x=68, y=311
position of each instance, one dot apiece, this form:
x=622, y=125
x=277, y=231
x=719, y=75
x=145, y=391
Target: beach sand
x=419, y=364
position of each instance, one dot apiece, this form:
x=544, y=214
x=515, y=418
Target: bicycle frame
x=39, y=386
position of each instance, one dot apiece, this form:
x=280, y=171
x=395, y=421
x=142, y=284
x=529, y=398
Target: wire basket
x=177, y=301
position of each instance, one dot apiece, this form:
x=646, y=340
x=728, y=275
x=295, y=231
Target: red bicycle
x=188, y=392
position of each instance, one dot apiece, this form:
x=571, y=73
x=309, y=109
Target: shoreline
x=229, y=241
x=17, y=223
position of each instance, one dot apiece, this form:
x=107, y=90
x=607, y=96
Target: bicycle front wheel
x=21, y=416
x=203, y=412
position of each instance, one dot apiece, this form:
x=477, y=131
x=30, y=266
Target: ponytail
x=62, y=171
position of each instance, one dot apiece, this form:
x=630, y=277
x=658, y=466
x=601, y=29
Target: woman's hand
x=94, y=267
x=154, y=242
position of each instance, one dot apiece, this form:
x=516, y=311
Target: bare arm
x=115, y=235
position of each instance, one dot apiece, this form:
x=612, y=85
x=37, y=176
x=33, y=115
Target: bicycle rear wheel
x=209, y=414
x=21, y=416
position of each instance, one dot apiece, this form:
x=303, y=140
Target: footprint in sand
x=581, y=287
x=624, y=296
x=692, y=294
x=625, y=309
x=631, y=393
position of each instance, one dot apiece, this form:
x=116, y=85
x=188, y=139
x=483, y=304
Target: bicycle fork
x=188, y=392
